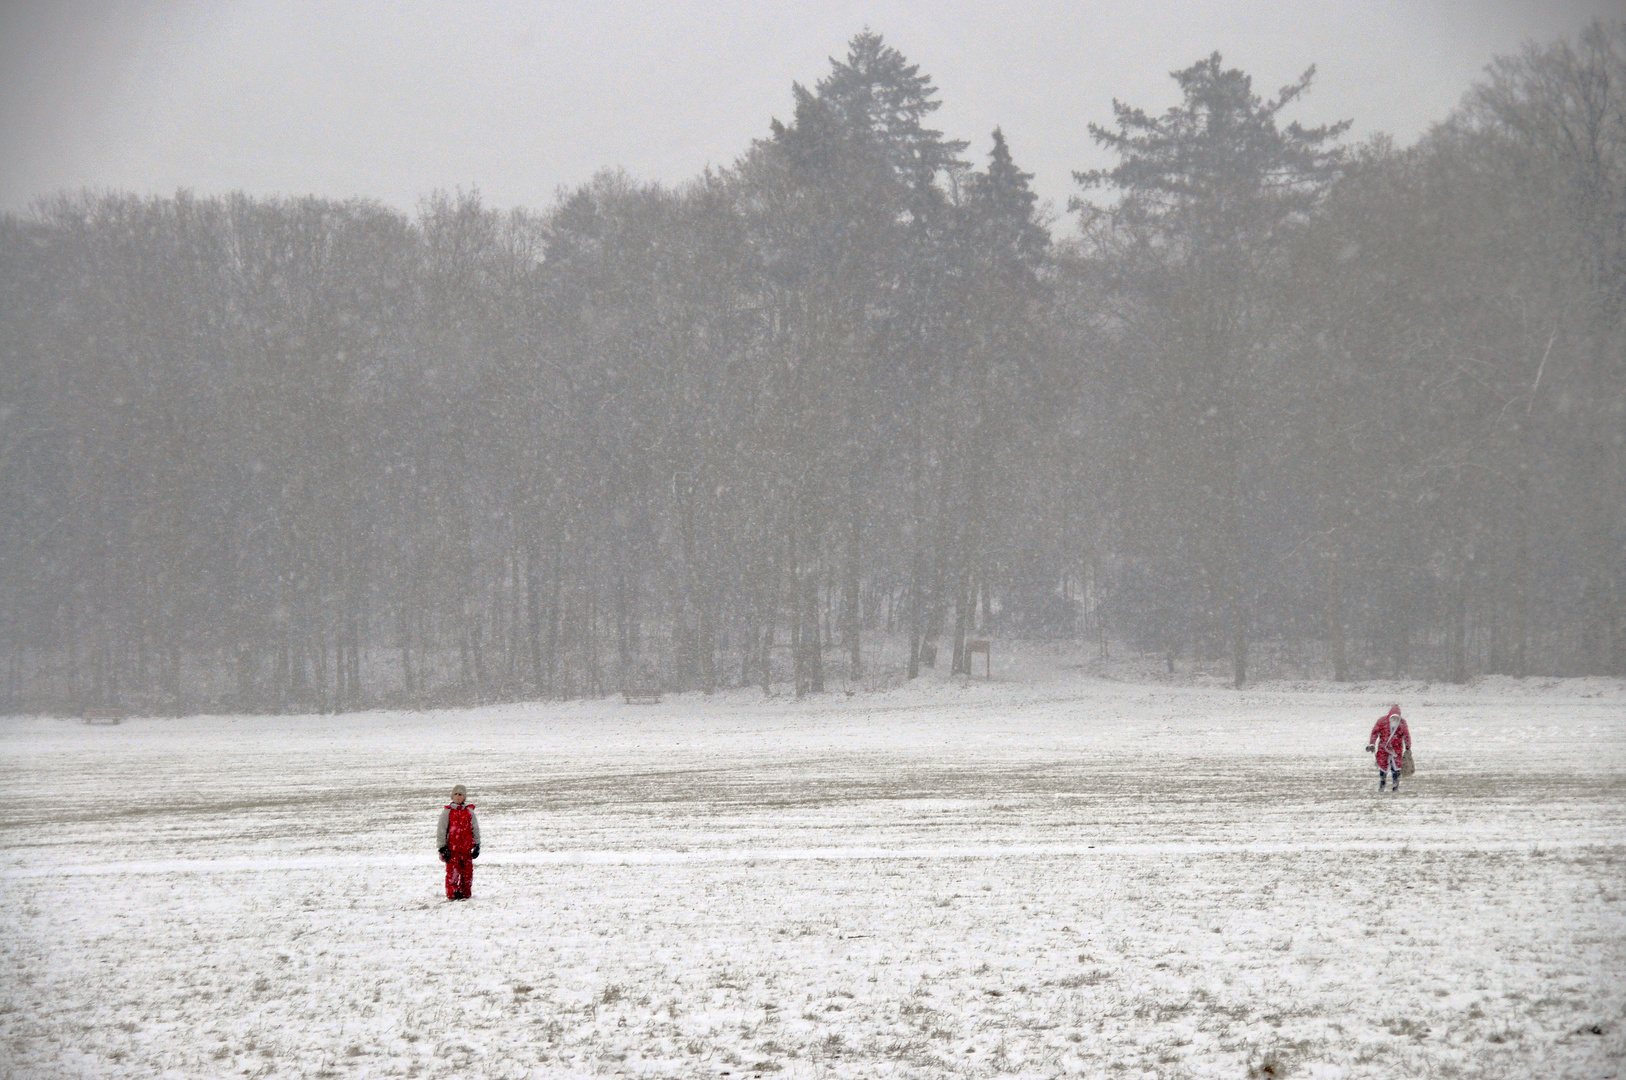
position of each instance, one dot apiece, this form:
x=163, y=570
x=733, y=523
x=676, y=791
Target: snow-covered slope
x=1061, y=876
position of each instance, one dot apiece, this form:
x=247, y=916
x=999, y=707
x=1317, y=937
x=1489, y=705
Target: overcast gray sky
x=394, y=99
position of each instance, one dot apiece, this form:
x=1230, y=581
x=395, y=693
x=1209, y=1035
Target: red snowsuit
x=1391, y=739
x=460, y=844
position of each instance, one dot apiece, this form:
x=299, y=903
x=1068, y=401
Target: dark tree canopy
x=1217, y=168
x=821, y=418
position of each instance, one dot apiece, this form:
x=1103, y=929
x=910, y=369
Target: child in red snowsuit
x=1390, y=739
x=459, y=843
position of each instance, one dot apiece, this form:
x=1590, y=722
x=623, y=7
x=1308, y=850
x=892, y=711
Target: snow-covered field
x=1058, y=877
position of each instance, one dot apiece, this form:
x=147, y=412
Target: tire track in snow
x=667, y=857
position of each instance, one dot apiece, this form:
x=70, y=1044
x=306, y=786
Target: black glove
x=445, y=855
x=1369, y=750
x=475, y=854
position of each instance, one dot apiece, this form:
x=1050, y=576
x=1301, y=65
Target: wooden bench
x=642, y=696
x=103, y=716
x=972, y=648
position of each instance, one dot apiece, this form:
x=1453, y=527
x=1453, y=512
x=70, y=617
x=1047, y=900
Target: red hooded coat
x=1390, y=738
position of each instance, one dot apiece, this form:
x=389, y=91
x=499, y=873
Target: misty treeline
x=821, y=418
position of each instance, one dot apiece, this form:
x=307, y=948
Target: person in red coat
x=1389, y=741
x=459, y=843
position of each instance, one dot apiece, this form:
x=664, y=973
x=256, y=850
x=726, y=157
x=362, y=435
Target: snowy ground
x=1058, y=877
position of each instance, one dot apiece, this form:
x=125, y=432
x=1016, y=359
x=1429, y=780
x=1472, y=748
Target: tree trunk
x=812, y=642
x=797, y=628
x=595, y=677
x=99, y=663
x=770, y=618
x=706, y=640
x=1239, y=637
x=623, y=650
x=319, y=648
x=533, y=617
x=1521, y=599
x=916, y=558
x=851, y=614
x=465, y=660
x=403, y=631
x=341, y=668
x=477, y=653
x=916, y=625
x=508, y=623
x=354, y=630
x=963, y=614
x=553, y=621
x=1459, y=632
